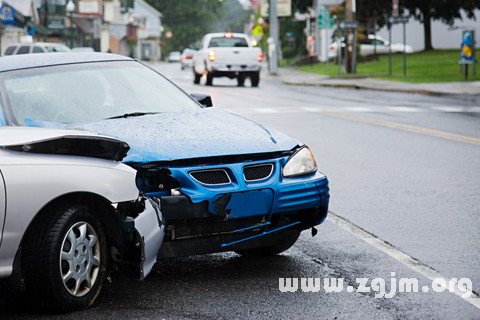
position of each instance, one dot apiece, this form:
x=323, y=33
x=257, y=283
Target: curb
x=362, y=87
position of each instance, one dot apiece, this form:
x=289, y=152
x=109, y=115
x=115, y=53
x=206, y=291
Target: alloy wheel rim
x=80, y=259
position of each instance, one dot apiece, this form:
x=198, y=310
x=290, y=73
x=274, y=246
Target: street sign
x=348, y=25
x=284, y=8
x=399, y=19
x=325, y=21
x=7, y=15
x=467, y=55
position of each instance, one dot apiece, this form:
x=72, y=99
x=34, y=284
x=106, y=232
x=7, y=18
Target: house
x=16, y=19
x=133, y=31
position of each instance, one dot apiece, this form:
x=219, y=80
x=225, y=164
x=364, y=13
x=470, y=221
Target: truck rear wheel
x=255, y=79
x=241, y=80
x=196, y=77
x=209, y=79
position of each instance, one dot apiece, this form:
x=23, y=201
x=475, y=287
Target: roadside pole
x=404, y=48
x=273, y=21
x=349, y=37
x=389, y=48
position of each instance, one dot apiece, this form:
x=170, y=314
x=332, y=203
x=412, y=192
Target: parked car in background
x=83, y=49
x=73, y=211
x=370, y=45
x=228, y=55
x=174, y=56
x=36, y=47
x=225, y=183
x=187, y=58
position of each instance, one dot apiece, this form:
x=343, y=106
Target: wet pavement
x=404, y=168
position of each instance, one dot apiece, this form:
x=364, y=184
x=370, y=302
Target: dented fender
x=149, y=230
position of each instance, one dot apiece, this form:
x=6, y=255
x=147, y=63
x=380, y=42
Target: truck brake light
x=260, y=56
x=211, y=56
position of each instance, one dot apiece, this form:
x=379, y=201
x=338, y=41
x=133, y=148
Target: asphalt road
x=405, y=195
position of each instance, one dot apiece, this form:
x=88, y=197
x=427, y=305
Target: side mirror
x=203, y=99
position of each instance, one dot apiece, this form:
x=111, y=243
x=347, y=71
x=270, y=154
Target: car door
x=3, y=203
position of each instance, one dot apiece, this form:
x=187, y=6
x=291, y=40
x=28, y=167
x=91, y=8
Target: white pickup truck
x=227, y=55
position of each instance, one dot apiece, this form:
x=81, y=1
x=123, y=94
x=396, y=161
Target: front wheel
x=66, y=259
x=286, y=242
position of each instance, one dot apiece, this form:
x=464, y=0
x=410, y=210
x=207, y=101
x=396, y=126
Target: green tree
x=235, y=17
x=302, y=5
x=188, y=20
x=444, y=10
x=373, y=13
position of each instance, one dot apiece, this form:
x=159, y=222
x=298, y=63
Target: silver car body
x=29, y=181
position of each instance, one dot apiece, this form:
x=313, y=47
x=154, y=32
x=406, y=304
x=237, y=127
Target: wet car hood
x=191, y=134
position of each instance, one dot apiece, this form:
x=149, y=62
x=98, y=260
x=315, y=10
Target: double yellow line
x=406, y=127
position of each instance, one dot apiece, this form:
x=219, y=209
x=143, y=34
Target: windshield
x=228, y=43
x=89, y=92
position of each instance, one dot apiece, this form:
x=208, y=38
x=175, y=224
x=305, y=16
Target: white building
x=134, y=32
x=149, y=30
x=14, y=33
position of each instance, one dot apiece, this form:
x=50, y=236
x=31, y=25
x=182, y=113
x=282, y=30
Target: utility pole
x=273, y=41
x=350, y=9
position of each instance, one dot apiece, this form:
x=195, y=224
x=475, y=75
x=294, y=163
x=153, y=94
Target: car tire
x=65, y=259
x=288, y=240
x=196, y=77
x=209, y=79
x=255, y=79
x=241, y=80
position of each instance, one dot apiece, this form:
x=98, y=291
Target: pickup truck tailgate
x=236, y=56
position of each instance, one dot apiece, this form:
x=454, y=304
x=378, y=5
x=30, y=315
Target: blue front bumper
x=272, y=196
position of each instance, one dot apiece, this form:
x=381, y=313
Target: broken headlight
x=155, y=180
x=300, y=163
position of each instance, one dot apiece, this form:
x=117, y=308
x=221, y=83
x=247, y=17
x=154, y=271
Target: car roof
x=222, y=34
x=36, y=44
x=27, y=61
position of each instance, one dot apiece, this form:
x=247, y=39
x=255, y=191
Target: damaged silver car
x=69, y=211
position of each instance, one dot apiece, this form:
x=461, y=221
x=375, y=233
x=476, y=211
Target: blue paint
x=252, y=227
x=207, y=132
x=223, y=245
x=274, y=195
x=3, y=122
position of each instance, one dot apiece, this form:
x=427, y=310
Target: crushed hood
x=208, y=132
x=62, y=142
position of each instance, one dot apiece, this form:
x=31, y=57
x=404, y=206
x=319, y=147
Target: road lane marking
x=407, y=128
x=353, y=109
x=266, y=110
x=399, y=255
x=359, y=109
x=406, y=109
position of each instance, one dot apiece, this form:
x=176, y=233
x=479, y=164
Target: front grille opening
x=211, y=177
x=258, y=172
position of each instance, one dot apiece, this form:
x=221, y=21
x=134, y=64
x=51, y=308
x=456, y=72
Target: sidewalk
x=293, y=77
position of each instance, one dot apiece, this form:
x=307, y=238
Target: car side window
x=10, y=50
x=37, y=50
x=23, y=50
